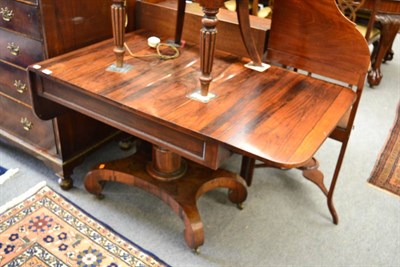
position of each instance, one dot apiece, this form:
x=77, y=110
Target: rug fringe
x=22, y=197
x=8, y=174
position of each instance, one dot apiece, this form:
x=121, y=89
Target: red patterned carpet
x=45, y=229
x=386, y=173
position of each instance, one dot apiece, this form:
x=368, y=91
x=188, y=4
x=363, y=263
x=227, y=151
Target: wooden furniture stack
x=31, y=31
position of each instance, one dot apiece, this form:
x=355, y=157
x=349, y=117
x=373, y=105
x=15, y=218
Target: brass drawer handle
x=6, y=14
x=14, y=49
x=21, y=87
x=26, y=124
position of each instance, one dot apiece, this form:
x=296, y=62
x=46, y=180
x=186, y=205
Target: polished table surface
x=277, y=116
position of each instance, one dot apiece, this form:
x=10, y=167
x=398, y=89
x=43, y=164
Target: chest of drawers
x=31, y=31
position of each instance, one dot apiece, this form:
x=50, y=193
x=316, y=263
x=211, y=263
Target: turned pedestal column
x=177, y=182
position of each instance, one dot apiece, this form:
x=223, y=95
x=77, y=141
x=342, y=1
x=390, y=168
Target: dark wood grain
x=25, y=18
x=299, y=40
x=306, y=43
x=69, y=25
x=244, y=117
x=13, y=82
x=278, y=116
x=42, y=29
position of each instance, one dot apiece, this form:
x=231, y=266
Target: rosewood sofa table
x=278, y=116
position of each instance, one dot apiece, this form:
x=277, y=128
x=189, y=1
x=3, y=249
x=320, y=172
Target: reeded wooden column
x=207, y=47
x=118, y=24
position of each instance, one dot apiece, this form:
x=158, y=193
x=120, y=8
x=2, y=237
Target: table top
x=278, y=116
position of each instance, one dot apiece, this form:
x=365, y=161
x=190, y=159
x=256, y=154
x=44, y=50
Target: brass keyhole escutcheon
x=14, y=49
x=26, y=124
x=21, y=87
x=6, y=13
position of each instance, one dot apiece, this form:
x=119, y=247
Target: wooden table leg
x=242, y=11
x=312, y=173
x=390, y=26
x=176, y=182
x=207, y=47
x=118, y=26
x=180, y=18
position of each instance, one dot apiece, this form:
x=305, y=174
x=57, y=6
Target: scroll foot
x=180, y=194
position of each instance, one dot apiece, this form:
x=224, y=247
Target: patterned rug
x=386, y=173
x=45, y=229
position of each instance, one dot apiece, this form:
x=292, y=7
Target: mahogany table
x=278, y=116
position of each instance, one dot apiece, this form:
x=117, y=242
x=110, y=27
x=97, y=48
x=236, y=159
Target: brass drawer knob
x=21, y=87
x=14, y=49
x=26, y=124
x=6, y=13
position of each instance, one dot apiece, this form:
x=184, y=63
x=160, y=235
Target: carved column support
x=118, y=25
x=207, y=47
x=166, y=165
x=180, y=194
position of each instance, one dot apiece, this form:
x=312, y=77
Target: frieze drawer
x=20, y=17
x=20, y=50
x=13, y=82
x=21, y=122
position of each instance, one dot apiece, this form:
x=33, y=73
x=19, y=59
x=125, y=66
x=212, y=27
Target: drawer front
x=13, y=82
x=20, y=17
x=19, y=120
x=20, y=50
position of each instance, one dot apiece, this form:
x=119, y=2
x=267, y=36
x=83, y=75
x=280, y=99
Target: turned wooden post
x=166, y=165
x=118, y=26
x=207, y=47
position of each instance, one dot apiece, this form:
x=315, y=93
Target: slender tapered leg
x=242, y=11
x=180, y=18
x=311, y=172
x=247, y=169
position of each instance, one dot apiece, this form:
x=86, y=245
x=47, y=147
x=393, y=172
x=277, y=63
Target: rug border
x=112, y=229
x=389, y=143
x=17, y=200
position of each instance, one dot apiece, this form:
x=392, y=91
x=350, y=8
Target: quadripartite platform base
x=180, y=194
